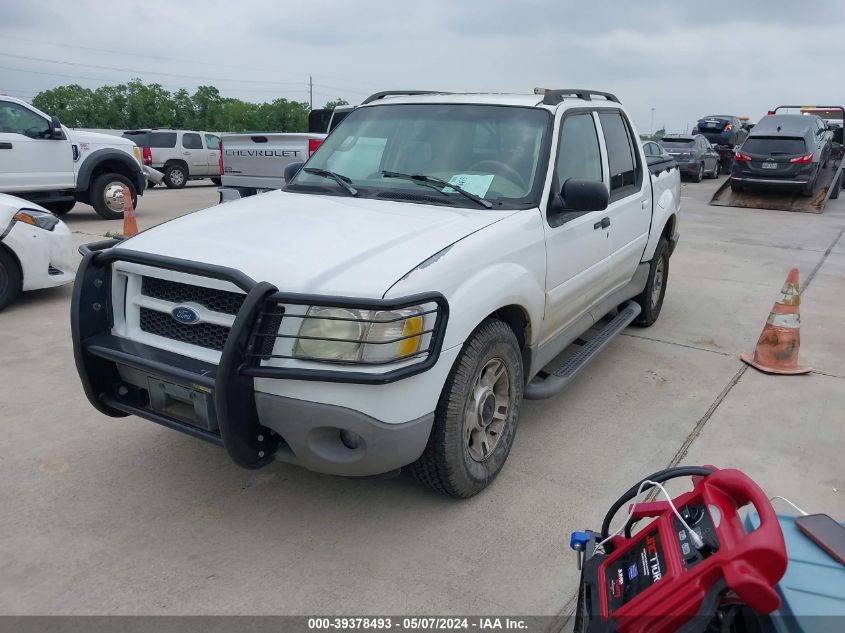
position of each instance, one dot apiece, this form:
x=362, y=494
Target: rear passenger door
x=629, y=211
x=194, y=153
x=576, y=243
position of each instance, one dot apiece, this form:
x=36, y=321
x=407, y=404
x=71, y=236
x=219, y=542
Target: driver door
x=30, y=160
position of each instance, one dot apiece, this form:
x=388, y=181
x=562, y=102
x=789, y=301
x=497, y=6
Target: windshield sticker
x=471, y=182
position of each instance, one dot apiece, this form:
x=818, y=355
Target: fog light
x=350, y=439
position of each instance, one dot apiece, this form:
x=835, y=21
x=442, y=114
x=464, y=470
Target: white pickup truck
x=394, y=304
x=254, y=163
x=43, y=161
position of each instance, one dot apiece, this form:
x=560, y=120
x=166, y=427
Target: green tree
x=335, y=103
x=72, y=104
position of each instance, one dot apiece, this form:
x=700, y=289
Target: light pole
x=651, y=130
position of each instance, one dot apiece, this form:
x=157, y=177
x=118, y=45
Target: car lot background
x=103, y=515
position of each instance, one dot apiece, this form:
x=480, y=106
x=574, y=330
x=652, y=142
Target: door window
x=578, y=154
x=625, y=173
x=191, y=140
x=212, y=141
x=15, y=119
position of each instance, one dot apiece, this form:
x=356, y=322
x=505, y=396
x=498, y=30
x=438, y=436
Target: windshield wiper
x=343, y=181
x=437, y=183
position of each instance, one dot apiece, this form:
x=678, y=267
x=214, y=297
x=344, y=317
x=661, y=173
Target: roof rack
x=553, y=97
x=399, y=93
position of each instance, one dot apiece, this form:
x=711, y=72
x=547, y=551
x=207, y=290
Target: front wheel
x=175, y=176
x=477, y=415
x=699, y=174
x=10, y=278
x=106, y=195
x=716, y=170
x=651, y=298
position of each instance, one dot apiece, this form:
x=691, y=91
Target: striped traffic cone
x=130, y=227
x=777, y=348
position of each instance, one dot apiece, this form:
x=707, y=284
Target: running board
x=553, y=384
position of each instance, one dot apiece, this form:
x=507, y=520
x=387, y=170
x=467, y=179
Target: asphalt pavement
x=122, y=516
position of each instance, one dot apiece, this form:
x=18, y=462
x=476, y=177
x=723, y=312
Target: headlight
x=363, y=336
x=41, y=219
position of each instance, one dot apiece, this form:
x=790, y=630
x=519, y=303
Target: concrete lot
x=104, y=515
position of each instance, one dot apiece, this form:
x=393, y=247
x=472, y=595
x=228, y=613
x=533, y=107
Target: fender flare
x=96, y=158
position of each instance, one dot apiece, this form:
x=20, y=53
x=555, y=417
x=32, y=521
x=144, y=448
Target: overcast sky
x=683, y=59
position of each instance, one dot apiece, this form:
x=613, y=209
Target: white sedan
x=36, y=249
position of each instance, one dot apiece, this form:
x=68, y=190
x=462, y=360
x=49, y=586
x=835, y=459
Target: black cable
x=658, y=477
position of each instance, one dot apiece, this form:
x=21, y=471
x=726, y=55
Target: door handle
x=5, y=145
x=602, y=224
x=187, y=153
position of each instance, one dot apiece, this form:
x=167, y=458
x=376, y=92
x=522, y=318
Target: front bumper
x=45, y=256
x=218, y=403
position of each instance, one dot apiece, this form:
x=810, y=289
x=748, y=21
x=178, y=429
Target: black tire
x=10, y=278
x=105, y=187
x=175, y=176
x=447, y=464
x=699, y=174
x=651, y=298
x=716, y=170
x=216, y=181
x=59, y=208
x=738, y=187
x=808, y=189
x=837, y=185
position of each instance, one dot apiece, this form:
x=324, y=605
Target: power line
x=161, y=58
x=150, y=72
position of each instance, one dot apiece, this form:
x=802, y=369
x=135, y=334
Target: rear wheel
x=651, y=298
x=59, y=208
x=106, y=195
x=175, y=176
x=837, y=185
x=477, y=415
x=10, y=278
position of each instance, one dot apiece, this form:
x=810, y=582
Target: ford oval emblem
x=185, y=315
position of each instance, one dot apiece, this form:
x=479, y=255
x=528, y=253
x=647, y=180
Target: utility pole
x=311, y=92
x=651, y=131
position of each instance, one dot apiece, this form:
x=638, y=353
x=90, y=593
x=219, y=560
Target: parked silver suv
x=182, y=155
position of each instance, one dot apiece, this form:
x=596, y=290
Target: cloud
x=683, y=59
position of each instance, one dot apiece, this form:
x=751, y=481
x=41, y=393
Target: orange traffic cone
x=130, y=227
x=777, y=348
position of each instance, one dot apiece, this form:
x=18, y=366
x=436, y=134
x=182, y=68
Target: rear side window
x=163, y=140
x=774, y=145
x=212, y=141
x=578, y=150
x=620, y=155
x=141, y=139
x=191, y=141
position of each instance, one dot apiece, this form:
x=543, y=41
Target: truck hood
x=96, y=138
x=316, y=244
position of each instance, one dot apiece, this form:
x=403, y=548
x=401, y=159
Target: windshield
x=497, y=153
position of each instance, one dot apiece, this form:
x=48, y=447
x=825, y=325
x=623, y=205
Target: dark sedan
x=721, y=129
x=694, y=155
x=783, y=151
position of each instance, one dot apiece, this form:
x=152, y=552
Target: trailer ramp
x=828, y=185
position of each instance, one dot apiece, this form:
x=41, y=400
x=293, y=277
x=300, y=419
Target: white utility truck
x=43, y=161
x=392, y=306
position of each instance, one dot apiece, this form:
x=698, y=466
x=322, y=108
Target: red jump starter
x=663, y=579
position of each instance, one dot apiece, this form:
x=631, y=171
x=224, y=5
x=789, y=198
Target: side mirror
x=56, y=131
x=582, y=195
x=292, y=170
